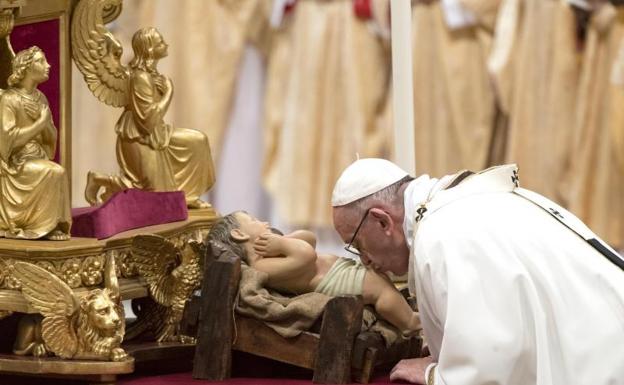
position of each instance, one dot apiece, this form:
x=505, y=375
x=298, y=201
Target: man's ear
x=238, y=235
x=383, y=218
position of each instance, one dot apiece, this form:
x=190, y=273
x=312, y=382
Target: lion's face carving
x=89, y=326
x=102, y=313
x=100, y=322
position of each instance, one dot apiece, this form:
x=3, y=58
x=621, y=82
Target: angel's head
x=31, y=63
x=149, y=46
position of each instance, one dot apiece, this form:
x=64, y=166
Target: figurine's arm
x=18, y=136
x=49, y=135
x=49, y=139
x=273, y=245
x=304, y=235
x=148, y=111
x=165, y=85
x=295, y=256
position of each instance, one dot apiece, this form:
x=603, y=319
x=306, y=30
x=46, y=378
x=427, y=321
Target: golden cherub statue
x=74, y=326
x=34, y=190
x=152, y=154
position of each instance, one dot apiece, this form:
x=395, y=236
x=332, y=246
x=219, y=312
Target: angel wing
x=54, y=299
x=155, y=258
x=193, y=253
x=189, y=274
x=97, y=53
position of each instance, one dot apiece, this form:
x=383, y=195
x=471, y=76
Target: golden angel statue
x=74, y=326
x=172, y=274
x=153, y=155
x=34, y=190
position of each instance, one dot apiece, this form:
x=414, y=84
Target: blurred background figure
x=289, y=92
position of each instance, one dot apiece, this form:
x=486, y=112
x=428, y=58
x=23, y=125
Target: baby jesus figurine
x=293, y=266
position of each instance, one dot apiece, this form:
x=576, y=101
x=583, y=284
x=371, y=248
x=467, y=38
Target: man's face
x=381, y=243
x=251, y=226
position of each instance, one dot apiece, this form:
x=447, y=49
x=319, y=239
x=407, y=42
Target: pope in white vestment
x=508, y=293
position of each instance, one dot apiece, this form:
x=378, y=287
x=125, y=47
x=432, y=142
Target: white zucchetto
x=363, y=178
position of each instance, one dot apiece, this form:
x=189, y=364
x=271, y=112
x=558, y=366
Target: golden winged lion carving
x=79, y=327
x=152, y=154
x=171, y=274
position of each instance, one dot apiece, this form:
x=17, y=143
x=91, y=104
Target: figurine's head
x=148, y=46
x=237, y=229
x=30, y=63
x=101, y=311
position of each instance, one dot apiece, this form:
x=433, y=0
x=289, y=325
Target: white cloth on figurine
x=288, y=316
x=363, y=178
x=346, y=277
x=506, y=293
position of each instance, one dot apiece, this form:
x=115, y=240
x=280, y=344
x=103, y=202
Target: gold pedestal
x=80, y=263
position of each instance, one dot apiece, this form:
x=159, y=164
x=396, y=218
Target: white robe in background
x=507, y=294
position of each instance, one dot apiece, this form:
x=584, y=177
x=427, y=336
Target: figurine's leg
x=94, y=183
x=100, y=187
x=57, y=235
x=28, y=340
x=198, y=204
x=195, y=175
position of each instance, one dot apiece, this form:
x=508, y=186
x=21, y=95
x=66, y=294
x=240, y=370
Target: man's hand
x=411, y=370
x=268, y=245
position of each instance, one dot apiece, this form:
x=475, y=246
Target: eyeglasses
x=349, y=247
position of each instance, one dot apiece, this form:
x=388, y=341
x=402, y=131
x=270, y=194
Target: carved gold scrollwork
x=111, y=11
x=75, y=272
x=8, y=12
x=91, y=271
x=127, y=265
x=70, y=273
x=10, y=282
x=88, y=271
x=6, y=22
x=4, y=272
x=49, y=266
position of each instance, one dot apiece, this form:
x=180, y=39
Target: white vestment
x=506, y=293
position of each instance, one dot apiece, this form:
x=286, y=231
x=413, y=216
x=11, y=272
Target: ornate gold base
x=52, y=367
x=144, y=356
x=80, y=263
x=10, y=363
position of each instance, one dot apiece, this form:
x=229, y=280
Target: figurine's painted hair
x=143, y=46
x=20, y=64
x=220, y=232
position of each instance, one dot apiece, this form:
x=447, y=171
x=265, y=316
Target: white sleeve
x=476, y=314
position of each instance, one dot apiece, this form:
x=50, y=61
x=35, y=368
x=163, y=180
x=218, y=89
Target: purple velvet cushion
x=127, y=210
